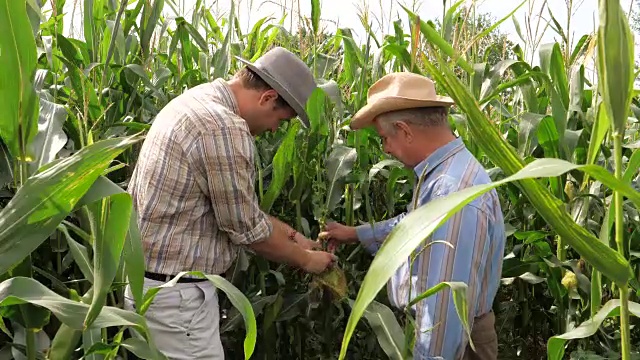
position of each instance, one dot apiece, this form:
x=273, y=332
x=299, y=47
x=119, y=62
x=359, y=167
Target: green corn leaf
x=282, y=166
x=79, y=253
x=448, y=23
x=200, y=41
x=419, y=224
x=48, y=197
x=109, y=218
x=132, y=250
x=6, y=165
x=387, y=329
x=598, y=132
x=236, y=297
x=92, y=338
x=339, y=164
x=632, y=166
x=315, y=16
x=222, y=56
x=21, y=290
x=150, y=16
x=615, y=62
x=459, y=290
x=90, y=28
x=50, y=138
x=18, y=100
x=431, y=34
x=141, y=349
x=555, y=345
x=549, y=207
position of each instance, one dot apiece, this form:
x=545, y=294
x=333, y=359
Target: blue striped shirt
x=477, y=233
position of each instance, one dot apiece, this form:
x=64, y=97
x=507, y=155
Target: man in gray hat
x=193, y=190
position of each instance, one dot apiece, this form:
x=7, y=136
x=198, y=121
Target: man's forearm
x=277, y=247
x=372, y=237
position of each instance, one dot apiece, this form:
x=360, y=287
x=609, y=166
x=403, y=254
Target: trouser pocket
x=199, y=307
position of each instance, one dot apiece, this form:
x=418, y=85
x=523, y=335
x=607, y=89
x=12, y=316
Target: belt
x=165, y=278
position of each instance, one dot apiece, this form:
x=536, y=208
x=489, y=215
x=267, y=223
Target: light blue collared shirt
x=477, y=233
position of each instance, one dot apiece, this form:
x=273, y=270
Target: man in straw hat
x=412, y=121
x=193, y=190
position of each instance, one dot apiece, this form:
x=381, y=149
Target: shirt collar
x=437, y=157
x=226, y=96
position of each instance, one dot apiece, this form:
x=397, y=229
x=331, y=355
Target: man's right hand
x=317, y=262
x=336, y=232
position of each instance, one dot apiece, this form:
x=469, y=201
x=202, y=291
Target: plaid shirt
x=193, y=185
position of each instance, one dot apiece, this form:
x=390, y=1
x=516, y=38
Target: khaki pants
x=484, y=339
x=184, y=320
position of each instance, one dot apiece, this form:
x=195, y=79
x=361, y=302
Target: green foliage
x=561, y=149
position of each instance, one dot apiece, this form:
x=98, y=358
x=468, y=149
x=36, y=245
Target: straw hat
x=289, y=76
x=398, y=91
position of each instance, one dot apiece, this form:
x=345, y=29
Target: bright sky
x=345, y=13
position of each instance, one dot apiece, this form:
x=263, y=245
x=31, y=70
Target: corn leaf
x=150, y=16
x=603, y=258
x=236, y=297
x=555, y=345
x=109, y=218
x=21, y=290
x=18, y=100
x=133, y=252
x=79, y=253
x=49, y=196
x=315, y=15
x=339, y=164
x=50, y=138
x=282, y=166
x=431, y=34
x=615, y=62
x=6, y=165
x=387, y=329
x=598, y=132
x=419, y=224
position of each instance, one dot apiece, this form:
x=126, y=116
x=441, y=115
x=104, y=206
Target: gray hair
x=423, y=117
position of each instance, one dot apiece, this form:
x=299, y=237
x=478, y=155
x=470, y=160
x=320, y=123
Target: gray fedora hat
x=289, y=76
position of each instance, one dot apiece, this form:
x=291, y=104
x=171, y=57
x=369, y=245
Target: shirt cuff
x=367, y=237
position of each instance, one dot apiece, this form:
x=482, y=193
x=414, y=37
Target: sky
x=345, y=13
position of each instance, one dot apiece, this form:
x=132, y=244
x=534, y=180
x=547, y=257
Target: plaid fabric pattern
x=193, y=185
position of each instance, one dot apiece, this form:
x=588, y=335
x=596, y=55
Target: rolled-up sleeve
x=226, y=159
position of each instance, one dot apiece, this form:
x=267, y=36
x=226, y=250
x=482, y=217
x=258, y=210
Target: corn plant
x=561, y=149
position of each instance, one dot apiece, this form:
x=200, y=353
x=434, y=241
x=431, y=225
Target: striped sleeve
x=372, y=236
x=225, y=158
x=467, y=232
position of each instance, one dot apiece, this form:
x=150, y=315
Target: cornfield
x=562, y=151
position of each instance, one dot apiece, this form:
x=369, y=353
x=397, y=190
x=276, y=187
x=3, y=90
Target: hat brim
x=365, y=116
x=280, y=89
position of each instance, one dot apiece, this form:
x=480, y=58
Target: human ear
x=405, y=130
x=268, y=97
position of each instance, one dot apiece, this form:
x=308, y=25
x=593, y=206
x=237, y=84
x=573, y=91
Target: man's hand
x=337, y=232
x=318, y=261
